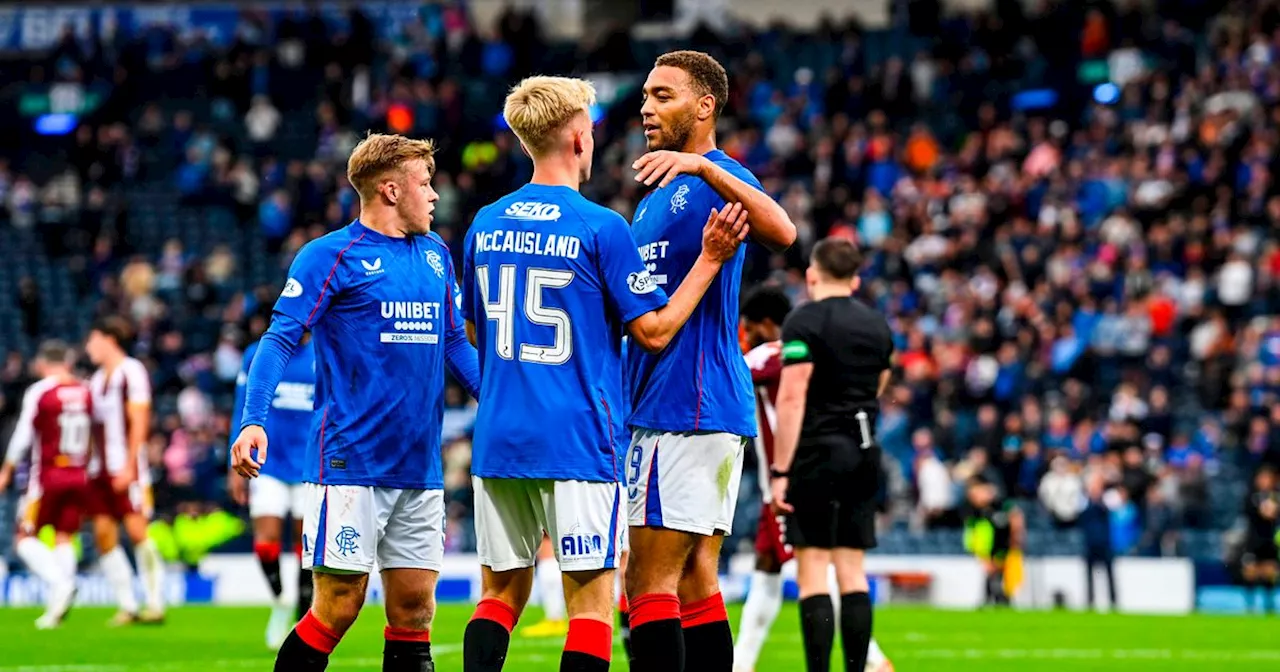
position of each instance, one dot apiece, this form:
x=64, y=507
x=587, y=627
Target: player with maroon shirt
x=120, y=483
x=56, y=418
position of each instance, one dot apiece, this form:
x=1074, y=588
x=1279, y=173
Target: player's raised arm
x=653, y=330
x=315, y=277
x=771, y=226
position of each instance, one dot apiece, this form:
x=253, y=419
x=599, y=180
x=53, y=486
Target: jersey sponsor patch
x=533, y=211
x=641, y=283
x=794, y=350
x=292, y=289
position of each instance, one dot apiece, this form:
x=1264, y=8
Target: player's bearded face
x=669, y=110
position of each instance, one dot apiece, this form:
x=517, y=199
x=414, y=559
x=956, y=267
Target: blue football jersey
x=550, y=280
x=700, y=382
x=289, y=420
x=382, y=312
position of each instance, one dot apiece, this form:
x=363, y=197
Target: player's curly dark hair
x=766, y=303
x=705, y=72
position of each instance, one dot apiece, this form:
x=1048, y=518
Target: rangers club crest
x=433, y=258
x=680, y=199
x=345, y=540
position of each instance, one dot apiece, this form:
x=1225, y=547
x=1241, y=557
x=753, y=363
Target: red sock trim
x=654, y=607
x=297, y=550
x=405, y=635
x=317, y=635
x=622, y=603
x=594, y=638
x=704, y=611
x=497, y=611
x=267, y=551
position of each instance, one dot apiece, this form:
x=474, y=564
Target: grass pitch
x=226, y=638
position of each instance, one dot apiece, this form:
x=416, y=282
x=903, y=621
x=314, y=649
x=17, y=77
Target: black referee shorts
x=833, y=489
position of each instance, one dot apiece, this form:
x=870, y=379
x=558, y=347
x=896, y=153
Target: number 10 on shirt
x=502, y=311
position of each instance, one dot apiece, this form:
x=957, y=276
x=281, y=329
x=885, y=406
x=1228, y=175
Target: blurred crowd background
x=1068, y=208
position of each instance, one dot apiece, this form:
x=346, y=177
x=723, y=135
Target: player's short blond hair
x=539, y=106
x=381, y=153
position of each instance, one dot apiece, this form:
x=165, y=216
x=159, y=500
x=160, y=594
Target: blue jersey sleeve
x=459, y=354
x=314, y=278
x=274, y=350
x=631, y=290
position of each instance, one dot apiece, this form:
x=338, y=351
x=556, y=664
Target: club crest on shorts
x=345, y=540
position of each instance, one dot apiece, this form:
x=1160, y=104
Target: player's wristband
x=774, y=472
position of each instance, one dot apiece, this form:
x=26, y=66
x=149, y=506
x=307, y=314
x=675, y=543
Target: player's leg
x=111, y=557
x=855, y=607
x=508, y=533
x=306, y=586
x=411, y=553
x=708, y=638
x=817, y=611
x=624, y=620
x=151, y=569
x=550, y=594
x=855, y=532
x=268, y=503
x=658, y=554
x=39, y=558
x=764, y=595
x=586, y=521
x=1268, y=572
x=811, y=530
x=681, y=489
x=338, y=543
x=411, y=606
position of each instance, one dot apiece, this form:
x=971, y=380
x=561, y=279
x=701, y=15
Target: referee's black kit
x=835, y=475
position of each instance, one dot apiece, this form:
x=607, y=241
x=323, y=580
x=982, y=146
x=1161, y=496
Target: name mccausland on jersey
x=530, y=242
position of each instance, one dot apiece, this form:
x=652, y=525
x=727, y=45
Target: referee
x=836, y=356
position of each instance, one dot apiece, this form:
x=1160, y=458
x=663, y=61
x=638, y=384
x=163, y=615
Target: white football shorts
x=353, y=528
x=684, y=481
x=270, y=497
x=583, y=519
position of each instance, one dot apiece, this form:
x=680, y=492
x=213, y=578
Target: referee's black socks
x=708, y=640
x=855, y=629
x=407, y=650
x=818, y=626
x=307, y=648
x=657, y=641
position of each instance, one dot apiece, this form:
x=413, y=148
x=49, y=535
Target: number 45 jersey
x=550, y=280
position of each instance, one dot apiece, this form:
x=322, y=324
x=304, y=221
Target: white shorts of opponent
x=684, y=481
x=584, y=520
x=353, y=528
x=270, y=497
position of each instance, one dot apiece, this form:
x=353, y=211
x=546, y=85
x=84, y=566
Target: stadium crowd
x=1076, y=290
